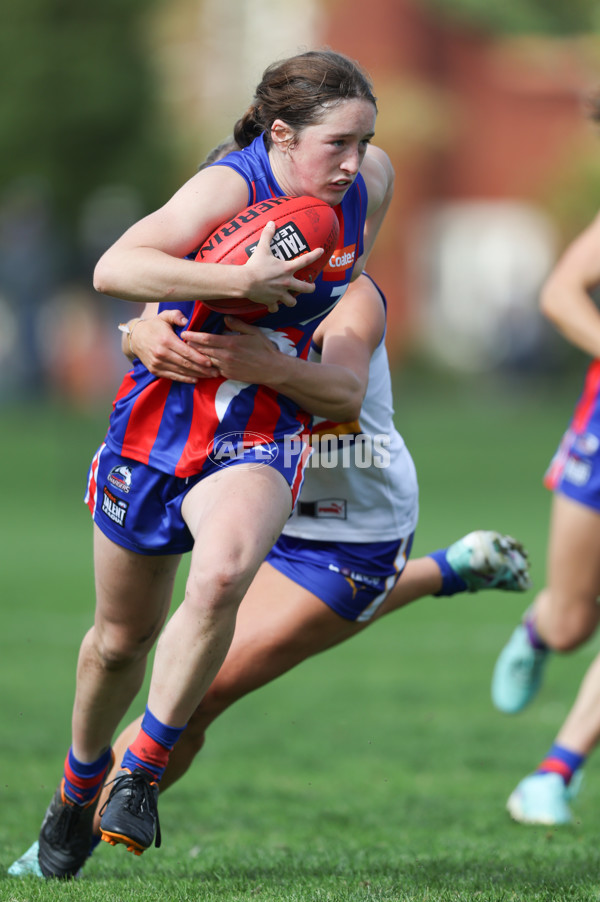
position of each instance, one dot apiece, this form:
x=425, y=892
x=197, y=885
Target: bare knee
x=117, y=649
x=215, y=593
x=568, y=628
x=567, y=639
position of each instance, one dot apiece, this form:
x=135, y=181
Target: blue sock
x=151, y=747
x=452, y=583
x=563, y=761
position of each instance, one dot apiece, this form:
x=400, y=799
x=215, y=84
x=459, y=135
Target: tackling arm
x=333, y=388
x=151, y=338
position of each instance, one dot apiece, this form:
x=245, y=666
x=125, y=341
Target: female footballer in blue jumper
x=341, y=561
x=154, y=492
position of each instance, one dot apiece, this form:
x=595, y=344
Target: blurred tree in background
x=552, y=17
x=105, y=108
x=78, y=106
x=84, y=152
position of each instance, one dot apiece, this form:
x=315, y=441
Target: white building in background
x=210, y=55
x=483, y=264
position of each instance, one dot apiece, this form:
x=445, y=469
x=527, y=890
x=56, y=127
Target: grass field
x=378, y=771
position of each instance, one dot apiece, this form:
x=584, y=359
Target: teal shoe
x=490, y=560
x=543, y=799
x=28, y=864
x=518, y=672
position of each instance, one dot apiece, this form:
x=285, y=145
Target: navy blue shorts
x=575, y=468
x=352, y=578
x=139, y=507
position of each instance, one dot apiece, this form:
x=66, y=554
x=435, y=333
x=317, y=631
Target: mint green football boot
x=543, y=799
x=518, y=672
x=28, y=864
x=485, y=559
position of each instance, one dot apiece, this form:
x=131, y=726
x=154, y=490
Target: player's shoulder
x=377, y=164
x=378, y=174
x=361, y=311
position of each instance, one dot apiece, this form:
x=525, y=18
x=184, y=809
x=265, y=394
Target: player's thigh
x=133, y=591
x=235, y=516
x=573, y=553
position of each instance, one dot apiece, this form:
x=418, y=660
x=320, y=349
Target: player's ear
x=281, y=134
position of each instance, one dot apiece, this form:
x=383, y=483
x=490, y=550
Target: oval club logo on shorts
x=120, y=478
x=242, y=447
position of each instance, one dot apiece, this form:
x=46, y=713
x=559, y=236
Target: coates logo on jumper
x=242, y=447
x=287, y=243
x=120, y=478
x=341, y=260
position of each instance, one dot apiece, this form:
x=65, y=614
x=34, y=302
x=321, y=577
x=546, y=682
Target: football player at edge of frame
x=566, y=613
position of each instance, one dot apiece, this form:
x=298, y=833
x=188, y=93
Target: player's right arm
x=147, y=262
x=565, y=297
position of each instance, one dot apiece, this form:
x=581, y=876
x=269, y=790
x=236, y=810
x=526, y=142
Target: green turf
x=378, y=770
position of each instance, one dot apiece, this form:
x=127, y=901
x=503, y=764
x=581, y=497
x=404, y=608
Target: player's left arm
x=378, y=173
x=335, y=387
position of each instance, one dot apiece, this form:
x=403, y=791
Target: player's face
x=325, y=158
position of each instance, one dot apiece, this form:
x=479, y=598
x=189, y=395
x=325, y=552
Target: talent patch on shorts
x=577, y=471
x=114, y=508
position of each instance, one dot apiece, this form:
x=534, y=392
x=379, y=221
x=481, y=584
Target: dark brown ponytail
x=299, y=89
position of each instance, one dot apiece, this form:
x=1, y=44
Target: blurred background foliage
x=553, y=17
x=79, y=106
x=107, y=108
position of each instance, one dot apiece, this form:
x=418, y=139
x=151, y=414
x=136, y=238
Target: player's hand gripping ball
x=302, y=224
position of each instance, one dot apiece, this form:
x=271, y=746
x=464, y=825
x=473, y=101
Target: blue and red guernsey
x=171, y=425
